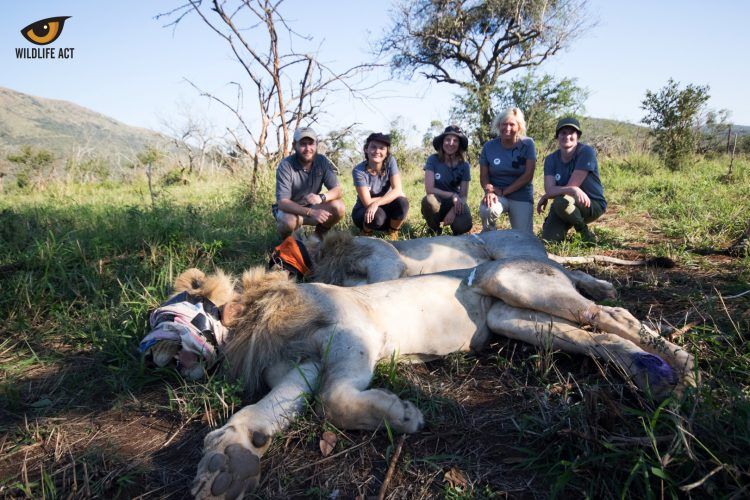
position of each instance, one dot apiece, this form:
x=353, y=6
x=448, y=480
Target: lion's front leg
x=231, y=454
x=350, y=405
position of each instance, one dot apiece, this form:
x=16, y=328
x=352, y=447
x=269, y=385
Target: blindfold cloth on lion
x=188, y=327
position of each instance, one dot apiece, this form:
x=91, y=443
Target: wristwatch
x=322, y=197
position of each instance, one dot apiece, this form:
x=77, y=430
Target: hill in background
x=64, y=128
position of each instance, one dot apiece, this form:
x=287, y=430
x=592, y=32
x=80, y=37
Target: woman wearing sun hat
x=571, y=179
x=446, y=182
x=381, y=204
x=506, y=168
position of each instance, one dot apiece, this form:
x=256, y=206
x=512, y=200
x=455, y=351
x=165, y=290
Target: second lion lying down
x=298, y=339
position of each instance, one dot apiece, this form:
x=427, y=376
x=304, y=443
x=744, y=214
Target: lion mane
x=276, y=321
x=338, y=259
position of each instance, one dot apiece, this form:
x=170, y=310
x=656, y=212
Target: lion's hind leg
x=540, y=329
x=545, y=287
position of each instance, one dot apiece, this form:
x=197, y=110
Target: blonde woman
x=506, y=168
x=446, y=182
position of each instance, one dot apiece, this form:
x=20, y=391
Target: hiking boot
x=587, y=236
x=393, y=234
x=365, y=232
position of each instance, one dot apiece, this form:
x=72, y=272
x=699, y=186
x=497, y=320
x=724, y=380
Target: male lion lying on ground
x=300, y=339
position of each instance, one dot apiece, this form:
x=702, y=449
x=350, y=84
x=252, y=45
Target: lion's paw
x=230, y=464
x=410, y=419
x=597, y=289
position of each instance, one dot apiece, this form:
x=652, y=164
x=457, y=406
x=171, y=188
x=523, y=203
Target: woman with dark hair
x=381, y=204
x=446, y=182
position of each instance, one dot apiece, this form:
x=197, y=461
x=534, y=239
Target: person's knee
x=358, y=218
x=286, y=224
x=379, y=220
x=430, y=204
x=337, y=208
x=462, y=223
x=402, y=208
x=563, y=206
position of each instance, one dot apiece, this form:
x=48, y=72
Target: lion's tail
x=276, y=321
x=664, y=262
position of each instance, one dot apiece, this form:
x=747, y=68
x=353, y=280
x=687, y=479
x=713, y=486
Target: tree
x=542, y=99
x=287, y=86
x=673, y=115
x=34, y=166
x=192, y=137
x=472, y=44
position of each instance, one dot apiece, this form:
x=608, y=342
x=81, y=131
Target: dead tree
x=289, y=87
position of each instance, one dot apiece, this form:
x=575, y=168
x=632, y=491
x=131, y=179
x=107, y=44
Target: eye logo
x=45, y=31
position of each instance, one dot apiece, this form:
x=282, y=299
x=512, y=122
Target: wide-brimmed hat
x=380, y=137
x=568, y=122
x=463, y=141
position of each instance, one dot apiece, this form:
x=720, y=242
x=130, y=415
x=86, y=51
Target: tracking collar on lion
x=292, y=256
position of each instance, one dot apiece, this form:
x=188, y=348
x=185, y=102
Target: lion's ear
x=218, y=288
x=231, y=313
x=189, y=281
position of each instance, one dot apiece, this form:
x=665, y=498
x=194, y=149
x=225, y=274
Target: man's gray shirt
x=293, y=183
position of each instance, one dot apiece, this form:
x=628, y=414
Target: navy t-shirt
x=505, y=165
x=584, y=158
x=378, y=185
x=448, y=178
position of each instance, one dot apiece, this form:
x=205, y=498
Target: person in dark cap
x=300, y=178
x=381, y=204
x=506, y=169
x=446, y=182
x=571, y=180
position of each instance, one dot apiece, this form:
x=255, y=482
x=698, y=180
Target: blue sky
x=127, y=66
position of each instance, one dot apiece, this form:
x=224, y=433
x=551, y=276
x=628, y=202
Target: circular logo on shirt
x=437, y=176
x=557, y=177
x=496, y=161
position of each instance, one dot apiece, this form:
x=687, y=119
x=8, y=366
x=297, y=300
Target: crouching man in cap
x=571, y=180
x=300, y=178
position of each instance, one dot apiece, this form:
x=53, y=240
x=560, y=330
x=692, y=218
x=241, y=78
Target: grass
x=82, y=415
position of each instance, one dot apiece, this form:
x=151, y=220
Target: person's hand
x=489, y=199
x=458, y=205
x=370, y=213
x=542, y=205
x=581, y=197
x=319, y=215
x=450, y=217
x=313, y=199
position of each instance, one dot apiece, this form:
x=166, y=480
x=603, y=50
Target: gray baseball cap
x=303, y=132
